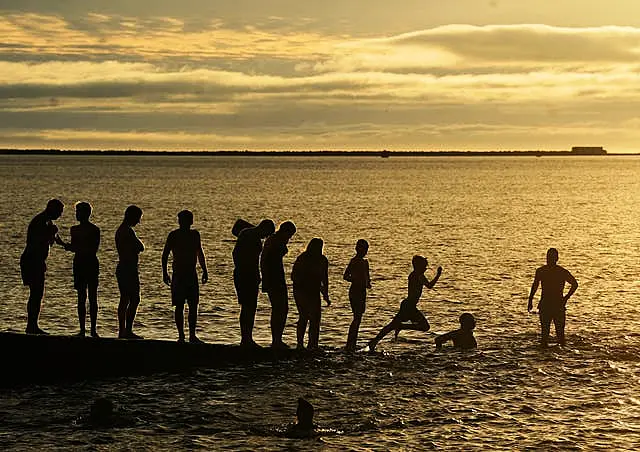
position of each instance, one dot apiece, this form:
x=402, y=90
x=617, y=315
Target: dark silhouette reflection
x=310, y=279
x=246, y=274
x=185, y=246
x=273, y=279
x=304, y=426
x=357, y=273
x=552, y=305
x=85, y=241
x=41, y=234
x=462, y=338
x=129, y=247
x=409, y=311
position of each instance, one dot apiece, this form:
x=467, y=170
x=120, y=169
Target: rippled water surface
x=487, y=221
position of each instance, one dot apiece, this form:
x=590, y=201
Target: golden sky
x=336, y=74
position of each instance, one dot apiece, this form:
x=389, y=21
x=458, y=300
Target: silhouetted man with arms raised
x=129, y=247
x=185, y=245
x=553, y=301
x=246, y=275
x=41, y=234
x=273, y=279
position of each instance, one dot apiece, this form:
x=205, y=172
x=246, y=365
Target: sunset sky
x=331, y=74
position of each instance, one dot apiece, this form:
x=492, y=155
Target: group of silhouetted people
x=254, y=263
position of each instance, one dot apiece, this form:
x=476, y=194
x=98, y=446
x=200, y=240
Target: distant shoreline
x=328, y=153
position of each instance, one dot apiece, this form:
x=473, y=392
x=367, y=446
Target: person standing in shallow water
x=274, y=283
x=246, y=275
x=185, y=245
x=85, y=241
x=129, y=247
x=41, y=234
x=357, y=273
x=310, y=277
x=553, y=302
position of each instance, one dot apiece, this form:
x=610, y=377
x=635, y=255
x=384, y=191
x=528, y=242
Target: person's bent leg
x=93, y=308
x=383, y=332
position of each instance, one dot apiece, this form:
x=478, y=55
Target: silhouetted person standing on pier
x=246, y=275
x=357, y=273
x=129, y=247
x=552, y=306
x=185, y=245
x=85, y=241
x=310, y=277
x=41, y=234
x=273, y=279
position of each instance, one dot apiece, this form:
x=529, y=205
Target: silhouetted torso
x=309, y=272
x=85, y=241
x=184, y=245
x=246, y=255
x=128, y=246
x=271, y=265
x=416, y=282
x=358, y=271
x=552, y=279
x=40, y=236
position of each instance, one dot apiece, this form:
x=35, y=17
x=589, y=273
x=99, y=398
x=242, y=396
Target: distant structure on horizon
x=588, y=150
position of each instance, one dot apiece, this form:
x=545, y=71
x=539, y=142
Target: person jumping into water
x=409, y=311
x=553, y=302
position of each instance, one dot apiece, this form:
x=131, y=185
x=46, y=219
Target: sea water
x=487, y=221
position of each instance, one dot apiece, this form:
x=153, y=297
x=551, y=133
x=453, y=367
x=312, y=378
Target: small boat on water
x=48, y=359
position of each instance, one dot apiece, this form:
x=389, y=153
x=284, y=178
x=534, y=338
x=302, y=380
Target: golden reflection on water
x=487, y=221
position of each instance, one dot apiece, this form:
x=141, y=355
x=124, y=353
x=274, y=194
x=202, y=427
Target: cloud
x=156, y=80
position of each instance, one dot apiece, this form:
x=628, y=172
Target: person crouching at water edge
x=462, y=338
x=553, y=302
x=310, y=276
x=129, y=247
x=41, y=234
x=85, y=241
x=409, y=311
x=185, y=245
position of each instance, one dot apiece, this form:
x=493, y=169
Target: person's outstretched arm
x=443, y=338
x=165, y=260
x=203, y=263
x=534, y=289
x=435, y=279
